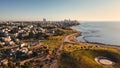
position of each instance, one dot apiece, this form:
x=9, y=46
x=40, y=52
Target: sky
x=83, y=10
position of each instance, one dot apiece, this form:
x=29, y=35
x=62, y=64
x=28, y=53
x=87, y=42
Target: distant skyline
x=82, y=10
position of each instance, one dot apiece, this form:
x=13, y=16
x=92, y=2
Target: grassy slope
x=75, y=57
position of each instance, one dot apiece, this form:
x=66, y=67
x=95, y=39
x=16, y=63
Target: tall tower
x=44, y=20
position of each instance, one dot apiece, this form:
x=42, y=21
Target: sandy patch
x=104, y=61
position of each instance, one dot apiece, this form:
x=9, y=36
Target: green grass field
x=75, y=57
x=55, y=41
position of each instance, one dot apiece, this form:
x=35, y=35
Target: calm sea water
x=100, y=32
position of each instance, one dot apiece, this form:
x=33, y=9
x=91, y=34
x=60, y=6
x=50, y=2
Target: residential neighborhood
x=21, y=40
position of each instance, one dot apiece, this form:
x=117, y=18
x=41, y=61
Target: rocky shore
x=72, y=38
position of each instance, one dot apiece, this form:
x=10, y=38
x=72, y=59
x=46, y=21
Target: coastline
x=72, y=38
x=97, y=35
x=89, y=52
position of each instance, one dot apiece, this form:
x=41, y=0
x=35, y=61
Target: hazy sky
x=85, y=10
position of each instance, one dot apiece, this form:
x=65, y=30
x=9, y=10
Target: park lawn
x=74, y=56
x=54, y=41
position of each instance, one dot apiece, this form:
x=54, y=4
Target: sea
x=99, y=32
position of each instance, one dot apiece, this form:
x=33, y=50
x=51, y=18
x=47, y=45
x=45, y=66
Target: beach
x=99, y=32
x=72, y=38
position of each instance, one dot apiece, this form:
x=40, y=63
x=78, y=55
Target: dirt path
x=71, y=39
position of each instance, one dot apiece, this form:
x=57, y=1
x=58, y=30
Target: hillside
x=83, y=55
